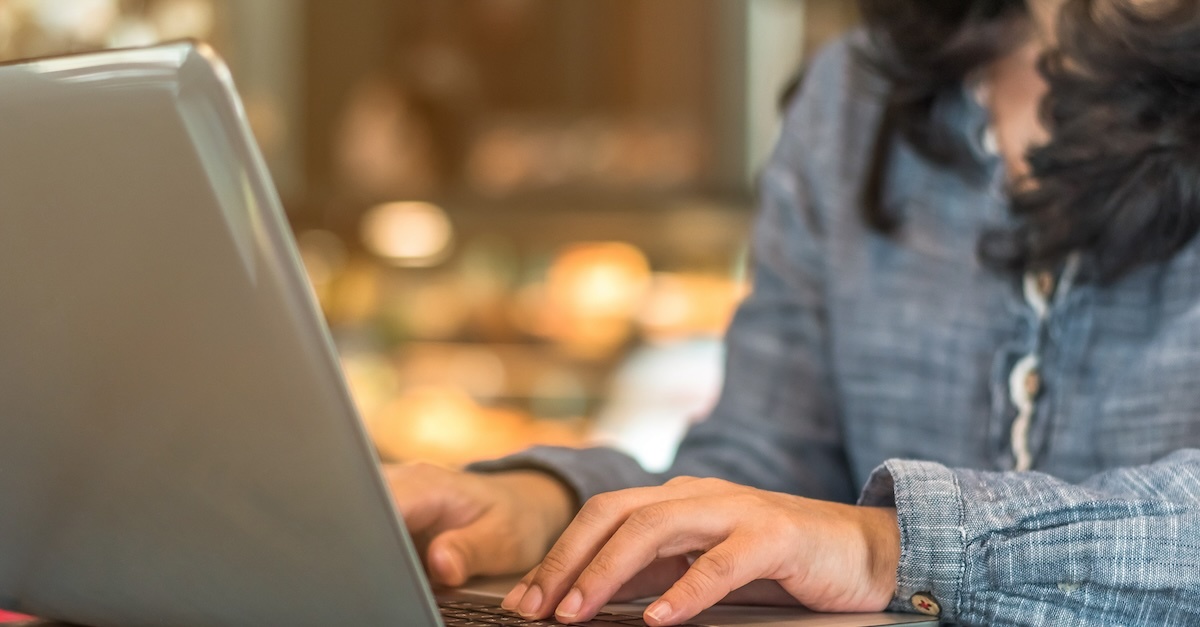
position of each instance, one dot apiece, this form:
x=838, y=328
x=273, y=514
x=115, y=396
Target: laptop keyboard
x=467, y=614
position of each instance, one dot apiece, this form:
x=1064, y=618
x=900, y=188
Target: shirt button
x=1045, y=284
x=1033, y=383
x=991, y=144
x=925, y=604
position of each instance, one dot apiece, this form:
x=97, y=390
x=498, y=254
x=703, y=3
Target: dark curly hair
x=1119, y=178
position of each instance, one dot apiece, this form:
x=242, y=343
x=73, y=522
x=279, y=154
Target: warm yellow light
x=443, y=424
x=413, y=234
x=8, y=26
x=87, y=20
x=591, y=295
x=600, y=280
x=177, y=19
x=442, y=419
x=131, y=32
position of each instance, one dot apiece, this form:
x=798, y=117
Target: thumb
x=456, y=555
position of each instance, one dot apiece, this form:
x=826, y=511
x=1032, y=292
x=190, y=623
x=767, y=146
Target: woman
x=981, y=320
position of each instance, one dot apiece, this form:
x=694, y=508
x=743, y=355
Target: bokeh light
x=410, y=234
x=445, y=424
x=599, y=280
x=86, y=20
x=131, y=32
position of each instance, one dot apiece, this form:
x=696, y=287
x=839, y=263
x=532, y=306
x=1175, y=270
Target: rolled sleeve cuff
x=929, y=508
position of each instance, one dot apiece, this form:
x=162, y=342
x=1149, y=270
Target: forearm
x=1024, y=548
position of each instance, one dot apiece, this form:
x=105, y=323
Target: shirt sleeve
x=1122, y=548
x=775, y=425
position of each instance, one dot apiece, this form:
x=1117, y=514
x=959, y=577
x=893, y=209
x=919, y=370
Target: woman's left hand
x=827, y=556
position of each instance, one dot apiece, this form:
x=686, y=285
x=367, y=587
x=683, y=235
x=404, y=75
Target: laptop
x=179, y=445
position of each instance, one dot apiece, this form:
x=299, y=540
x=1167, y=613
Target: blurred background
x=526, y=220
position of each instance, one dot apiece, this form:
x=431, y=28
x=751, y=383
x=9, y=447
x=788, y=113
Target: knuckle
x=747, y=501
x=783, y=525
x=555, y=563
x=715, y=566
x=646, y=521
x=693, y=586
x=681, y=480
x=604, y=566
x=713, y=483
x=598, y=506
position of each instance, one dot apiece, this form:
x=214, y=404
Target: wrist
x=881, y=531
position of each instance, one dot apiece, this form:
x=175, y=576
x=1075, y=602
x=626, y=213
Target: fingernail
x=660, y=611
x=569, y=608
x=531, y=602
x=514, y=596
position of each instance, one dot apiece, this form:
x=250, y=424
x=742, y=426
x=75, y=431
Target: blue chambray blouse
x=1039, y=445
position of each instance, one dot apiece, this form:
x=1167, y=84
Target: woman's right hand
x=469, y=524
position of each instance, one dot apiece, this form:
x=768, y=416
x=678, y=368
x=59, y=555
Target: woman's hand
x=826, y=556
x=468, y=524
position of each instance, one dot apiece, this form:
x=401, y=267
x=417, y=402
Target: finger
x=711, y=578
x=515, y=595
x=483, y=547
x=595, y=523
x=666, y=529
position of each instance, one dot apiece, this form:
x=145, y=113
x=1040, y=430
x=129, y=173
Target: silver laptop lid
x=177, y=444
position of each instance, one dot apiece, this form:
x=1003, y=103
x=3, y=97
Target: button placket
x=1025, y=382
x=1024, y=376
